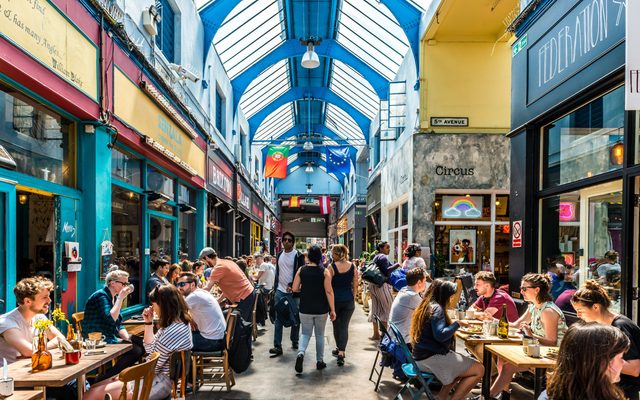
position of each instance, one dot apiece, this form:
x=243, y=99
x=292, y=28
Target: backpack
x=398, y=279
x=240, y=346
x=373, y=275
x=287, y=312
x=261, y=306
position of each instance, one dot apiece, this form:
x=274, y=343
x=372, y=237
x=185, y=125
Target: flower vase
x=41, y=359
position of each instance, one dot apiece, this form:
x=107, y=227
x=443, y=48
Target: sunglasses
x=524, y=288
x=183, y=284
x=287, y=240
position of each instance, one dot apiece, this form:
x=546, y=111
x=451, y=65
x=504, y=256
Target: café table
x=61, y=374
x=26, y=395
x=515, y=355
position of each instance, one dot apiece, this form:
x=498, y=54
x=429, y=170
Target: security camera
x=184, y=73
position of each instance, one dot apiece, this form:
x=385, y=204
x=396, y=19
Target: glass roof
x=277, y=123
x=292, y=158
x=349, y=84
x=342, y=124
x=250, y=31
x=368, y=29
x=267, y=87
x=322, y=167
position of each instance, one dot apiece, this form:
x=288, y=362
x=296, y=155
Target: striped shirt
x=175, y=337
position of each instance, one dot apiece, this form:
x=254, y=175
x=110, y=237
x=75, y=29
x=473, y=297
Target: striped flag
x=294, y=201
x=325, y=205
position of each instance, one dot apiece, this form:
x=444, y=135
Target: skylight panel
x=268, y=86
x=277, y=123
x=342, y=123
x=354, y=89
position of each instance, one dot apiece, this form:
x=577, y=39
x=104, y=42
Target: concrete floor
x=275, y=379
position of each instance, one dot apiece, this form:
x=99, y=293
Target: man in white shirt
x=16, y=326
x=267, y=272
x=407, y=301
x=208, y=322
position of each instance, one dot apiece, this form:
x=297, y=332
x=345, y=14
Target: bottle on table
x=503, y=325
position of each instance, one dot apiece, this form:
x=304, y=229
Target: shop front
x=257, y=221
x=243, y=218
x=342, y=229
x=219, y=204
x=373, y=215
x=574, y=155
x=354, y=237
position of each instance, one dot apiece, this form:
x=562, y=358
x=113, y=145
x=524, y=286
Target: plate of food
x=552, y=354
x=473, y=329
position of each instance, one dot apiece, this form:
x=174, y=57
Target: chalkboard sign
x=467, y=288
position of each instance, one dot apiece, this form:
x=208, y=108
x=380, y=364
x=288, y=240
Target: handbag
x=373, y=275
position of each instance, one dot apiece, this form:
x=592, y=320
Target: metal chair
x=412, y=371
x=208, y=365
x=179, y=364
x=141, y=373
x=375, y=368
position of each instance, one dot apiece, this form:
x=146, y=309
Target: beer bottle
x=503, y=325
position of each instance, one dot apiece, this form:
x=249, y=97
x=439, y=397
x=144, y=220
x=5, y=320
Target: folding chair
x=380, y=354
x=412, y=371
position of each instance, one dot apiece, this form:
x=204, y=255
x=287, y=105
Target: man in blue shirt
x=102, y=314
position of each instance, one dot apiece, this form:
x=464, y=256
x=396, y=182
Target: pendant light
x=308, y=145
x=310, y=58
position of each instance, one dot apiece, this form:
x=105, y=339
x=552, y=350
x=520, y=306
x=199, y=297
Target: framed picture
x=569, y=258
x=124, y=240
x=462, y=246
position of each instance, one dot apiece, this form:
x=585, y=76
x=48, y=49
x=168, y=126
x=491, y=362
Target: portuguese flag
x=276, y=165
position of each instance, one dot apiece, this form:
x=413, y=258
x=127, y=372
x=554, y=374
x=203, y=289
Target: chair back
x=381, y=327
x=179, y=364
x=403, y=345
x=78, y=317
x=144, y=373
x=231, y=326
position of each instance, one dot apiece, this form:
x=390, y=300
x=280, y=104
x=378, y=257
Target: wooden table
x=515, y=355
x=475, y=339
x=26, y=395
x=61, y=374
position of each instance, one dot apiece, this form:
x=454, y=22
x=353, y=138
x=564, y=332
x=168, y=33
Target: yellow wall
x=466, y=79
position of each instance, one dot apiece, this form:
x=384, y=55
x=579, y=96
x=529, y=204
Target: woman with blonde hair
x=344, y=281
x=432, y=334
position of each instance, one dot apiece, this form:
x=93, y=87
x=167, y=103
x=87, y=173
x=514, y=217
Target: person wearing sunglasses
x=543, y=321
x=207, y=323
x=288, y=261
x=102, y=314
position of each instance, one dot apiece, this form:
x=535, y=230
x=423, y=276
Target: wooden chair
x=141, y=372
x=78, y=317
x=179, y=364
x=254, y=322
x=419, y=380
x=208, y=365
x=375, y=368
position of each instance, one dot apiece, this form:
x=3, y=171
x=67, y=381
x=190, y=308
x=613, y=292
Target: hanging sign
x=106, y=256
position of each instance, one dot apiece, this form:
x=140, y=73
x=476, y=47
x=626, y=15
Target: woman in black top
x=592, y=303
x=313, y=282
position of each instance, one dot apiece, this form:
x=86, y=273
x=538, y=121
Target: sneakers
x=340, y=361
x=320, y=365
x=275, y=351
x=299, y=363
x=335, y=352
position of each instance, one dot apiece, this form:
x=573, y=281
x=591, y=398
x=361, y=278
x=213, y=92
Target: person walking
x=381, y=295
x=344, y=282
x=313, y=282
x=288, y=261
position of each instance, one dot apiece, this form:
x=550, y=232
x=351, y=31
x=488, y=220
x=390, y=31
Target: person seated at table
x=432, y=334
x=491, y=299
x=543, y=321
x=589, y=364
x=102, y=314
x=592, y=303
x=202, y=273
x=208, y=324
x=407, y=301
x=159, y=276
x=245, y=270
x=16, y=326
x=174, y=273
x=174, y=334
x=232, y=281
x=413, y=254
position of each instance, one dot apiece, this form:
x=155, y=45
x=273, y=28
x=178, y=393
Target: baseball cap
x=207, y=251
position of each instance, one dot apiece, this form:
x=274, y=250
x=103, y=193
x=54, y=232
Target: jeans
x=311, y=323
x=295, y=330
x=201, y=343
x=245, y=307
x=344, y=311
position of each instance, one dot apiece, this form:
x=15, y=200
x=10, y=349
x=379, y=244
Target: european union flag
x=338, y=159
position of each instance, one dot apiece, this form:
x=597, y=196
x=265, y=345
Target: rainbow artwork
x=467, y=207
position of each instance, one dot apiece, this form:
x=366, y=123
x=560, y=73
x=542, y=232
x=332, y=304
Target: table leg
x=81, y=384
x=537, y=384
x=487, y=358
x=44, y=391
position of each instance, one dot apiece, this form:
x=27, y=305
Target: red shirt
x=497, y=300
x=232, y=281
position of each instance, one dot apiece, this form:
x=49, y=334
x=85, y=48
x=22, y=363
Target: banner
x=276, y=164
x=325, y=205
x=632, y=64
x=338, y=159
x=294, y=201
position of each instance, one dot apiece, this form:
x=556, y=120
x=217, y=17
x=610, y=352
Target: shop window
x=398, y=231
x=125, y=167
x=41, y=142
x=160, y=190
x=187, y=221
x=467, y=207
x=161, y=238
x=584, y=143
x=166, y=37
x=220, y=111
x=581, y=238
x=126, y=232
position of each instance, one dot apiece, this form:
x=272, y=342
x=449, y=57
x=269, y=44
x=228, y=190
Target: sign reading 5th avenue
x=42, y=31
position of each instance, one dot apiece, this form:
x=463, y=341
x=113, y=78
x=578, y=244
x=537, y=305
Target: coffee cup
x=6, y=387
x=96, y=337
x=72, y=357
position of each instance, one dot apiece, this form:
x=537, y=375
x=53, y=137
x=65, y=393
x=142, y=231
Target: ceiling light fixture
x=310, y=58
x=307, y=146
x=309, y=186
x=309, y=169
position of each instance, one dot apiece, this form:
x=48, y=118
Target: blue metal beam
x=329, y=48
x=408, y=18
x=317, y=93
x=213, y=15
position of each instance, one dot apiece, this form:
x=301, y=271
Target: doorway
x=35, y=234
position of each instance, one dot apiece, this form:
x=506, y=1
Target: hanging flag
x=338, y=159
x=325, y=205
x=276, y=164
x=294, y=201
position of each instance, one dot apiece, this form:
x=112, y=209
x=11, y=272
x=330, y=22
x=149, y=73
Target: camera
x=184, y=73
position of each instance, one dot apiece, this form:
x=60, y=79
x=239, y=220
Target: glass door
x=162, y=237
x=7, y=242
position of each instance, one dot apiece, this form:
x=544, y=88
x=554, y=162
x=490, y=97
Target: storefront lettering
x=243, y=198
x=173, y=136
x=219, y=179
x=446, y=171
x=68, y=228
